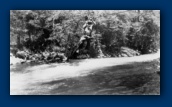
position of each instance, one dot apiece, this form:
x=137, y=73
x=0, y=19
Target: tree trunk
x=18, y=42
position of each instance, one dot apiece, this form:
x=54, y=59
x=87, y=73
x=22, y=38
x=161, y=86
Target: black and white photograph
x=84, y=52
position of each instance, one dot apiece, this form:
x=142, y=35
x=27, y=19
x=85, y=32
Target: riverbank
x=14, y=60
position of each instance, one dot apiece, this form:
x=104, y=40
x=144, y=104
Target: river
x=77, y=77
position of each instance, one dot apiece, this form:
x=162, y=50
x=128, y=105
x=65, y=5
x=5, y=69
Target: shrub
x=145, y=39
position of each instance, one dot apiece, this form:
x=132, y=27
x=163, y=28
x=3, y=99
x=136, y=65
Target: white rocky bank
x=14, y=60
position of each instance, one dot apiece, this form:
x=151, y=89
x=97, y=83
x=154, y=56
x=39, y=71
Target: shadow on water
x=134, y=78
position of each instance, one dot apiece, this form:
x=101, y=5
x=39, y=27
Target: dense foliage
x=59, y=31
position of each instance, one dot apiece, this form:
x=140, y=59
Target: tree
x=17, y=25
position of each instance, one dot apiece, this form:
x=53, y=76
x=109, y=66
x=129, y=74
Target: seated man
x=88, y=28
x=84, y=42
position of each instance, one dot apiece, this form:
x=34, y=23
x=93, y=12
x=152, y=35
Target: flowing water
x=74, y=77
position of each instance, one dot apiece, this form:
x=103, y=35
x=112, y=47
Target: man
x=88, y=28
x=84, y=41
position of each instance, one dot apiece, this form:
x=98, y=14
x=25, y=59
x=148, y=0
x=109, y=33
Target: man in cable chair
x=87, y=28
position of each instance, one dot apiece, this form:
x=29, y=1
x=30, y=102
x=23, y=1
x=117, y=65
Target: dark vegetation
x=55, y=34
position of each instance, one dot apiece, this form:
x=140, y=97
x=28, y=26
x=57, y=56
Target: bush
x=146, y=39
x=113, y=40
